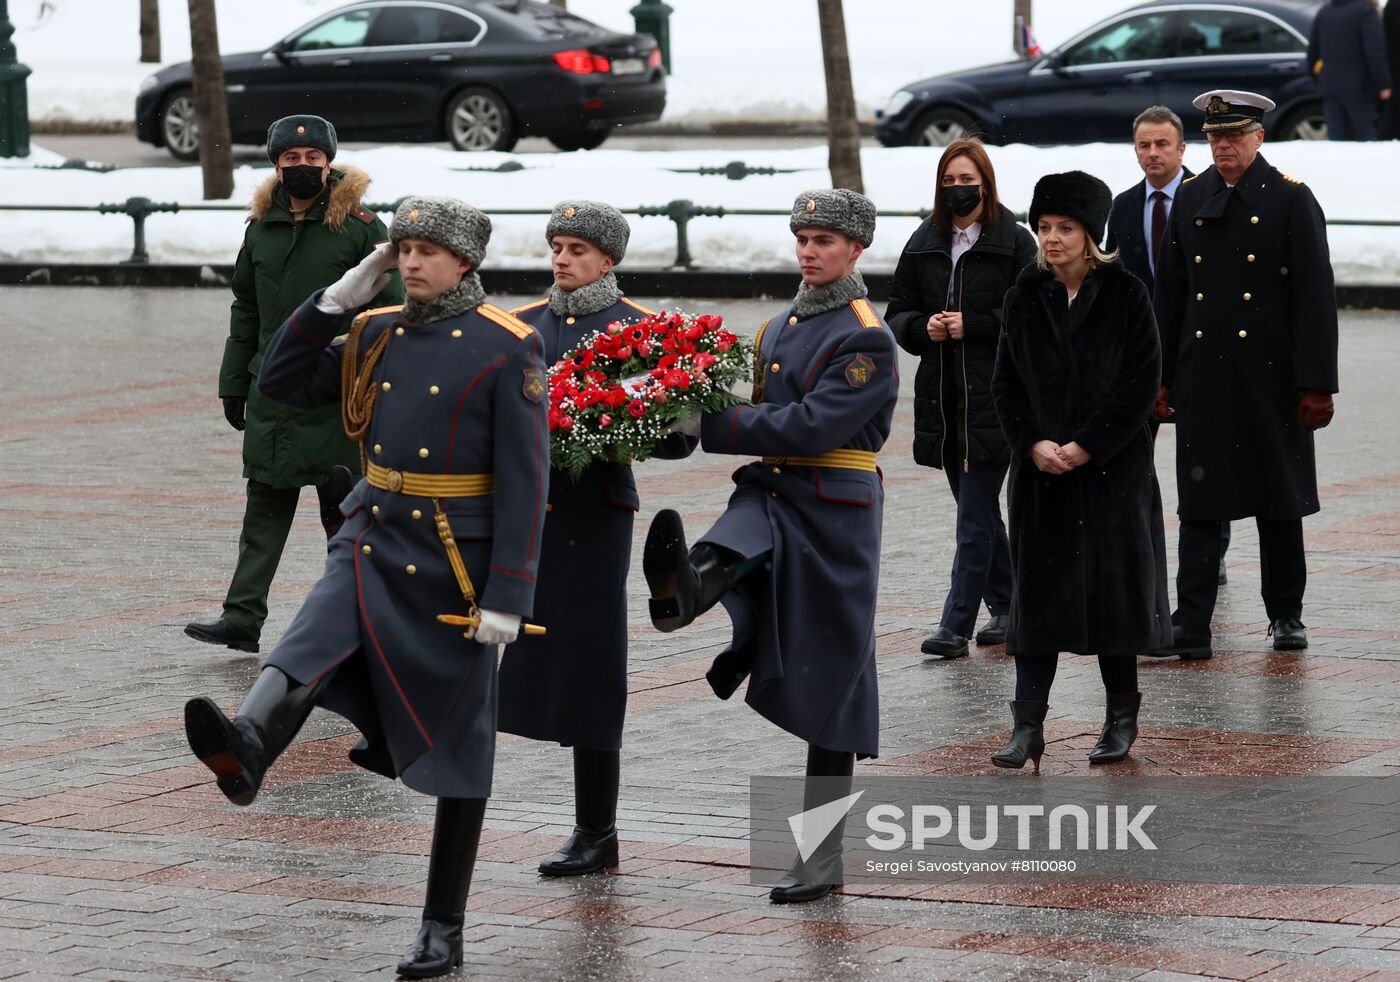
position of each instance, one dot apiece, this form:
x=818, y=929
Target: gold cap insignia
x=301, y=129
x=413, y=214
x=1216, y=106
x=811, y=205
x=568, y=213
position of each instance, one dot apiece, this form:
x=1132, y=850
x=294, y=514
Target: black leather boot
x=456, y=834
x=945, y=643
x=239, y=751
x=820, y=873
x=994, y=631
x=1184, y=646
x=684, y=584
x=1290, y=633
x=1027, y=738
x=1119, y=728
x=337, y=486
x=593, y=845
x=224, y=633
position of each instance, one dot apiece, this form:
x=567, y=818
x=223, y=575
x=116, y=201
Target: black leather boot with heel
x=456, y=834
x=593, y=846
x=685, y=583
x=1027, y=738
x=1120, y=728
x=240, y=750
x=820, y=873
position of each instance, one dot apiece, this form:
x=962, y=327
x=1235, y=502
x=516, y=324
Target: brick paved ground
x=119, y=510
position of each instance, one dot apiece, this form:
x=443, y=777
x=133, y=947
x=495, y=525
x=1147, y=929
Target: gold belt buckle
x=395, y=480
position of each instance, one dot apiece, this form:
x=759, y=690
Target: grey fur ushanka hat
x=452, y=224
x=835, y=208
x=300, y=131
x=593, y=221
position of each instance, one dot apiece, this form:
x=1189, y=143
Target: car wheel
x=941, y=125
x=479, y=120
x=1304, y=123
x=582, y=140
x=180, y=126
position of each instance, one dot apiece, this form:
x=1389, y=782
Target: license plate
x=628, y=66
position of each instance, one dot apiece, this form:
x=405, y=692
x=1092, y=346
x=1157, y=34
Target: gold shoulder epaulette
x=865, y=313
x=1288, y=178
x=633, y=304
x=528, y=306
x=510, y=322
x=363, y=316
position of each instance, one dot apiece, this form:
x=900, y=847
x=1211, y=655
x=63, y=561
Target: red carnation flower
x=637, y=409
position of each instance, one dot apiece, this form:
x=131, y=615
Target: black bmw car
x=1093, y=86
x=478, y=73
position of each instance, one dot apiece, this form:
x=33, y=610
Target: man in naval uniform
x=447, y=398
x=1248, y=315
x=570, y=686
x=795, y=558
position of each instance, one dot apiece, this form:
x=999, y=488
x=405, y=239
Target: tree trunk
x=843, y=131
x=150, y=30
x=563, y=4
x=210, y=102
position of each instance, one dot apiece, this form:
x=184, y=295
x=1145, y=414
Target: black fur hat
x=1076, y=195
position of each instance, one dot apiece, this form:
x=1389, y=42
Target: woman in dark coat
x=945, y=307
x=1076, y=376
x=570, y=686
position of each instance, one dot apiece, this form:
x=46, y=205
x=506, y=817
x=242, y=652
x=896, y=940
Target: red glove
x=1315, y=408
x=1161, y=412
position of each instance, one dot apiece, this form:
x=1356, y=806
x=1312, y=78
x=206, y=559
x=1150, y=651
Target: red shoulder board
x=364, y=216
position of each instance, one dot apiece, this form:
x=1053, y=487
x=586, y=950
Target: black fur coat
x=1087, y=548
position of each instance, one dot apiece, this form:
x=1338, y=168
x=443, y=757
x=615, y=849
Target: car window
x=544, y=20
x=421, y=25
x=346, y=30
x=1134, y=39
x=1202, y=33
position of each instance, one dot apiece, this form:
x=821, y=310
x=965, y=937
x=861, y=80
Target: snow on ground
x=897, y=179
x=733, y=59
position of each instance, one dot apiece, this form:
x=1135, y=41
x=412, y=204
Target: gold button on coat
x=378, y=448
x=385, y=386
x=398, y=330
x=1200, y=334
x=774, y=367
x=1199, y=223
x=1244, y=334
x=457, y=332
x=1249, y=258
x=366, y=549
x=1200, y=296
x=374, y=510
x=416, y=514
x=792, y=320
x=1198, y=259
x=433, y=390
x=1254, y=219
x=410, y=569
x=777, y=470
x=1249, y=296
x=568, y=320
x=423, y=452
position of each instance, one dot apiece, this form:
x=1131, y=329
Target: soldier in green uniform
x=307, y=227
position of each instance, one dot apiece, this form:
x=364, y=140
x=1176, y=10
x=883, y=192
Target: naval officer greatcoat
x=461, y=399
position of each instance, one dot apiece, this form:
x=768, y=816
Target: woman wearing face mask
x=945, y=307
x=1076, y=378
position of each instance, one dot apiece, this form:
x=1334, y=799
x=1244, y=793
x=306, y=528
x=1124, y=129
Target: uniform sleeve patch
x=534, y=387
x=860, y=371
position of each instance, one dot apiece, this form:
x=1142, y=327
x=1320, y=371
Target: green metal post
x=652, y=17
x=14, y=98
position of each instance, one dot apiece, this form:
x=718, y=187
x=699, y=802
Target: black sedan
x=1091, y=88
x=478, y=73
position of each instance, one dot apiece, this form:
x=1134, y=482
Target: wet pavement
x=119, y=515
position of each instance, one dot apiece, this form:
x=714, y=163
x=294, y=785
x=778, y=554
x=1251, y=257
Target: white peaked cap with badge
x=1228, y=109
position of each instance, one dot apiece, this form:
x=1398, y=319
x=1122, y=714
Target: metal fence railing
x=680, y=212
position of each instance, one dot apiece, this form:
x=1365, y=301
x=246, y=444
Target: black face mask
x=303, y=180
x=962, y=199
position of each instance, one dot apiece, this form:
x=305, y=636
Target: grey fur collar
x=598, y=295
x=810, y=302
x=466, y=295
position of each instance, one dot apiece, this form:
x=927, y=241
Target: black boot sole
x=214, y=741
x=1290, y=644
x=817, y=893
x=428, y=971
x=990, y=640
x=664, y=559
x=208, y=637
x=605, y=863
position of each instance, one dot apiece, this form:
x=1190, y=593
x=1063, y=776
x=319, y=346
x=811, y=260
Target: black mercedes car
x=478, y=73
x=1093, y=86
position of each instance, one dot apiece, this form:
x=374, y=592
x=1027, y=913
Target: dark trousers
x=982, y=561
x=267, y=521
x=1283, y=570
x=1349, y=119
x=1035, y=674
x=1154, y=426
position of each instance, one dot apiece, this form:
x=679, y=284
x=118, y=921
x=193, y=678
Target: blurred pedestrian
x=447, y=397
x=307, y=227
x=1248, y=311
x=1076, y=375
x=945, y=307
x=570, y=686
x=1346, y=51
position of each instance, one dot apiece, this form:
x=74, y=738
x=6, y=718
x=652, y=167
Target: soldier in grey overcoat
x=448, y=399
x=795, y=558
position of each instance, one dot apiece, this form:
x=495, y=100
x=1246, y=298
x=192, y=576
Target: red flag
x=1028, y=42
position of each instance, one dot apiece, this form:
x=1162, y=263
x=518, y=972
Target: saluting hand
x=937, y=329
x=361, y=283
x=1045, y=454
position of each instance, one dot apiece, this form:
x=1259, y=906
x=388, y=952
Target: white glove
x=689, y=425
x=497, y=628
x=360, y=284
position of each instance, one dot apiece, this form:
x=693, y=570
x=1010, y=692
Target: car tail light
x=654, y=59
x=581, y=61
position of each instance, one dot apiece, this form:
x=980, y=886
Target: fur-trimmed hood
x=348, y=187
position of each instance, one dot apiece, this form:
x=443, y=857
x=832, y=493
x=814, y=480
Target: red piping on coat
x=374, y=639
x=456, y=413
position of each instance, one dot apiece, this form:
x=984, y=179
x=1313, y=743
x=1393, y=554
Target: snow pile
x=897, y=179
x=85, y=53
